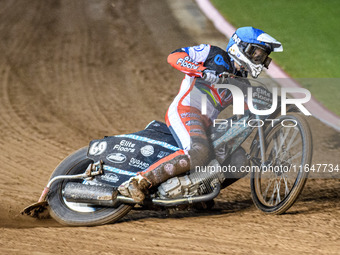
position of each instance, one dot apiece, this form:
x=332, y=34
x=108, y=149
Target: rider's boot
x=162, y=170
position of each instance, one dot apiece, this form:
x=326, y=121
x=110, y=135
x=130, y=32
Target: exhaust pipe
x=188, y=200
x=91, y=194
x=108, y=196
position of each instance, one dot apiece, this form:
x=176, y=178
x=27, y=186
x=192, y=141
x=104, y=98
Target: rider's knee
x=199, y=153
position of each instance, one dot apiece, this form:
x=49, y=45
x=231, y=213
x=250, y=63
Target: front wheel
x=79, y=214
x=276, y=185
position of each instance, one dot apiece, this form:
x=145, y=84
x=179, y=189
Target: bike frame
x=237, y=134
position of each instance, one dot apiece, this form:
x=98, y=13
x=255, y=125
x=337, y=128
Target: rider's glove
x=210, y=76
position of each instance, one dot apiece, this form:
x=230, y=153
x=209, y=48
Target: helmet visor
x=257, y=55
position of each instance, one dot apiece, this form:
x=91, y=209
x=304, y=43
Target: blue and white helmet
x=249, y=47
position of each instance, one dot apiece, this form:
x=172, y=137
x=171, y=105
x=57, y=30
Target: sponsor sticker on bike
x=147, y=150
x=125, y=146
x=97, y=148
x=162, y=154
x=116, y=157
x=110, y=177
x=138, y=163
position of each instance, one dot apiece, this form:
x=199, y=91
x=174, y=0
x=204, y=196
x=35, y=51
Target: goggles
x=257, y=55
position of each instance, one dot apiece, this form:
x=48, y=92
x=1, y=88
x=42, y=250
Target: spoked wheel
x=79, y=214
x=276, y=186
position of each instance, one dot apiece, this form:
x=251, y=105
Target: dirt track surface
x=72, y=71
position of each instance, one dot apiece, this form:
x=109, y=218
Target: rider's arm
x=190, y=60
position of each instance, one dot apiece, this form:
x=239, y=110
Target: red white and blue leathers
x=184, y=118
x=187, y=104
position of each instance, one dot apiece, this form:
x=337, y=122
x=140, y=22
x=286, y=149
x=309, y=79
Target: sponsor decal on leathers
x=187, y=62
x=193, y=123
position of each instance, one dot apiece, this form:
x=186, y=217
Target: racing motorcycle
x=82, y=190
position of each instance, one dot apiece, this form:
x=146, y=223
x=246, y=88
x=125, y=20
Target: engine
x=200, y=181
x=197, y=182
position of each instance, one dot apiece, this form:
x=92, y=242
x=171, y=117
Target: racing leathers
x=184, y=118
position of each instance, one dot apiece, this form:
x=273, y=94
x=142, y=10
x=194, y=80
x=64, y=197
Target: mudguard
x=126, y=155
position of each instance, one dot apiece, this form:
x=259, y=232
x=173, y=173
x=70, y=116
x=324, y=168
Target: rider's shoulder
x=201, y=47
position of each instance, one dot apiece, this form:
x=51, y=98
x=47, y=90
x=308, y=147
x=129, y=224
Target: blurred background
x=309, y=33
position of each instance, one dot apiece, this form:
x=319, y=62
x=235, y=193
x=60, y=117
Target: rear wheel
x=276, y=186
x=79, y=214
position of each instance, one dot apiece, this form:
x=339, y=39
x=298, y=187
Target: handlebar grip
x=221, y=79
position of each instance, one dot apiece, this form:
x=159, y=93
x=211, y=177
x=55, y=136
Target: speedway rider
x=247, y=51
